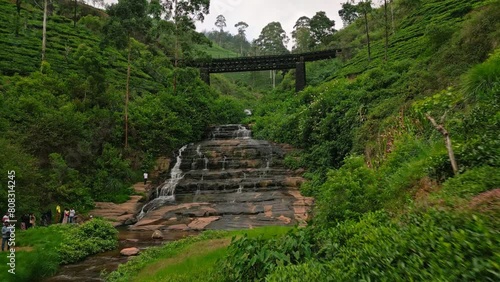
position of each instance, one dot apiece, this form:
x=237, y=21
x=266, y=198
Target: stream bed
x=91, y=268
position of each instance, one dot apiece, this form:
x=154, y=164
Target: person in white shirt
x=145, y=178
x=6, y=230
x=71, y=215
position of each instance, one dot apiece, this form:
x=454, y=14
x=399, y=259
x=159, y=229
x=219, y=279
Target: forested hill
x=62, y=122
x=402, y=148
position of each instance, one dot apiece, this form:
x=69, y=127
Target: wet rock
x=179, y=227
x=132, y=240
x=130, y=221
x=129, y=252
x=230, y=181
x=157, y=235
x=202, y=223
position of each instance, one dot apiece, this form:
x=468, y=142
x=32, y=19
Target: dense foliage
x=62, y=121
x=90, y=238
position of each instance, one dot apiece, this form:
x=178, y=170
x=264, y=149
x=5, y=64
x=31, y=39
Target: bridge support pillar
x=205, y=75
x=300, y=75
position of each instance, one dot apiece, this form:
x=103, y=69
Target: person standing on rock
x=145, y=178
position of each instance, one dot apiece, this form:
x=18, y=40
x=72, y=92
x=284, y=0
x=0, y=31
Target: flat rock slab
x=180, y=227
x=201, y=223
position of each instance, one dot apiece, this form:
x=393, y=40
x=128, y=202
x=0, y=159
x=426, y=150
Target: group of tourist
x=68, y=216
x=28, y=221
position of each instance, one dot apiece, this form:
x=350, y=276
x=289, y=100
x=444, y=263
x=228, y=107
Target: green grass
x=40, y=250
x=36, y=253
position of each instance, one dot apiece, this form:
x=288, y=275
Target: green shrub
x=472, y=182
x=421, y=246
x=347, y=192
x=252, y=259
x=92, y=237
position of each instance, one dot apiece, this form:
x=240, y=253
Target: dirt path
x=118, y=214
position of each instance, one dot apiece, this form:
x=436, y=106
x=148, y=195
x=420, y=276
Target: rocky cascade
x=228, y=181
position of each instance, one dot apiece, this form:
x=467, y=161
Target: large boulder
x=130, y=252
x=157, y=235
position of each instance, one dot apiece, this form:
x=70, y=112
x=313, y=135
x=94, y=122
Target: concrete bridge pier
x=300, y=75
x=205, y=75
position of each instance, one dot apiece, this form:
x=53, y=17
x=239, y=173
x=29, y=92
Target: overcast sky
x=258, y=13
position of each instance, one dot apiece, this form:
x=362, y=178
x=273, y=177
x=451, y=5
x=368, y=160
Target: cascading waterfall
x=243, y=133
x=228, y=178
x=205, y=159
x=224, y=163
x=166, y=191
x=168, y=188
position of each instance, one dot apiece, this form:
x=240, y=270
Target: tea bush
x=422, y=246
x=347, y=192
x=252, y=259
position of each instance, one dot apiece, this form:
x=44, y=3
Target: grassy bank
x=190, y=259
x=40, y=250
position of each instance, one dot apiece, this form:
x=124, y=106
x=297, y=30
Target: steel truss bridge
x=259, y=63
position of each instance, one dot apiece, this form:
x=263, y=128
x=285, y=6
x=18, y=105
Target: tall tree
x=272, y=39
x=184, y=13
x=74, y=15
x=242, y=28
x=386, y=26
x=302, y=34
x=348, y=13
x=18, y=15
x=365, y=7
x=128, y=18
x=322, y=28
x=44, y=29
x=221, y=24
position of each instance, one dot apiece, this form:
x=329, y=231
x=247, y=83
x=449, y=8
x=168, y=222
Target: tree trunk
x=74, y=17
x=447, y=138
x=386, y=30
x=176, y=58
x=367, y=35
x=241, y=48
x=44, y=32
x=176, y=47
x=392, y=17
x=18, y=16
x=127, y=94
